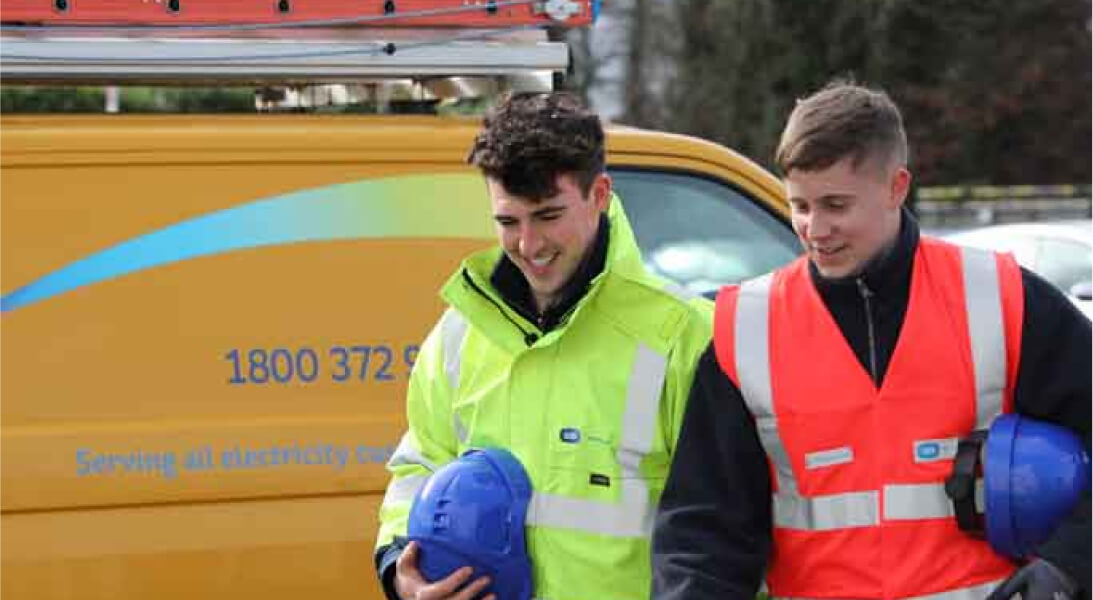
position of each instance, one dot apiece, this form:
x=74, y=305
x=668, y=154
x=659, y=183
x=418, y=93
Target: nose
x=530, y=242
x=816, y=226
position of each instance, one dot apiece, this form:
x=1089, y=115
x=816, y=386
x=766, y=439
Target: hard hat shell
x=471, y=512
x=1034, y=473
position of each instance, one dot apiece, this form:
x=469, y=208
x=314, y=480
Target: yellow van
x=208, y=323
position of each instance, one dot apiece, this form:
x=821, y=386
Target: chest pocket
x=597, y=466
x=612, y=438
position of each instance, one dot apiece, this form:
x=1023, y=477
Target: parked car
x=1060, y=252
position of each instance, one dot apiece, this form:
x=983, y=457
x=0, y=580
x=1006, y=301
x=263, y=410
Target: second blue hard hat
x=1034, y=474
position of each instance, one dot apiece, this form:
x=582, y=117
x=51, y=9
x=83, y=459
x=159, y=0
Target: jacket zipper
x=866, y=294
x=530, y=337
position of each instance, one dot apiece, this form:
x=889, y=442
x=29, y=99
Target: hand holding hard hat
x=467, y=525
x=1033, y=474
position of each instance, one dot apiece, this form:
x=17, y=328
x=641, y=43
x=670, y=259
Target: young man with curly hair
x=558, y=346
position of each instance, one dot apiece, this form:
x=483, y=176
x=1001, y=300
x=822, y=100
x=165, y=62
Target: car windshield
x=700, y=233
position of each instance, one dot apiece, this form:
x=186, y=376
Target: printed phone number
x=340, y=364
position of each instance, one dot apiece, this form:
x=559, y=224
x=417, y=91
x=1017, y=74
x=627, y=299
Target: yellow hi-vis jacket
x=592, y=409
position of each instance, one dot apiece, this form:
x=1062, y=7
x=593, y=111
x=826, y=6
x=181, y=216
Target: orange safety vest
x=858, y=472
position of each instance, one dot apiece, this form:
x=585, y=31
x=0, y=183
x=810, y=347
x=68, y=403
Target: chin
x=836, y=272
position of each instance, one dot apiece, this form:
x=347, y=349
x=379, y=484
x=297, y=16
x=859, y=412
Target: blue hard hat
x=471, y=513
x=1034, y=473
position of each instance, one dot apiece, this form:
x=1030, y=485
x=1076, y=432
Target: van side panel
x=205, y=362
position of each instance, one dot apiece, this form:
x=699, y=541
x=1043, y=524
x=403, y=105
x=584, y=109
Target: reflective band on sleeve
x=453, y=328
x=986, y=330
x=460, y=428
x=632, y=515
x=403, y=489
x=407, y=454
x=908, y=502
x=823, y=513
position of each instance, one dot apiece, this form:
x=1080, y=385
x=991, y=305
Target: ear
x=601, y=191
x=900, y=185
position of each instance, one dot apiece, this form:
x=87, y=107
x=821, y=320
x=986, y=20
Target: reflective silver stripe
x=626, y=519
x=453, y=328
x=986, y=329
x=752, y=350
x=823, y=513
x=402, y=489
x=783, y=471
x=908, y=502
x=408, y=454
x=632, y=515
x=975, y=592
x=752, y=347
x=460, y=428
x=972, y=592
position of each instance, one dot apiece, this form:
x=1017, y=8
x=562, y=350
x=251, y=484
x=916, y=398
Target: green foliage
x=51, y=99
x=992, y=92
x=32, y=99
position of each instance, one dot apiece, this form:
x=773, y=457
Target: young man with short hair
x=797, y=459
x=559, y=347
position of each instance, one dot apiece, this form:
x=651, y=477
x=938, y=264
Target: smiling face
x=547, y=240
x=846, y=215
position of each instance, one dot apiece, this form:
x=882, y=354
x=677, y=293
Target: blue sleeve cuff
x=386, y=556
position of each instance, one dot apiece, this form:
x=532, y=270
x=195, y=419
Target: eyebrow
x=824, y=198
x=548, y=210
x=542, y=212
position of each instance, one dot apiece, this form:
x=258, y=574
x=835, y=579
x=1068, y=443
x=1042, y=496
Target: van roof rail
x=185, y=61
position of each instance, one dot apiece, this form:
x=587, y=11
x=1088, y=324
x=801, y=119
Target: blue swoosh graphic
x=443, y=206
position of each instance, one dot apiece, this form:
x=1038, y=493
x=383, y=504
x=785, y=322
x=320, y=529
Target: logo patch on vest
x=828, y=458
x=934, y=450
x=570, y=435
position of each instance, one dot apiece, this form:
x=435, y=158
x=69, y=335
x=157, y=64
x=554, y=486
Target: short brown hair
x=842, y=120
x=527, y=140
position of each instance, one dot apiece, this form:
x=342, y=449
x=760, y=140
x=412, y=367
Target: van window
x=700, y=233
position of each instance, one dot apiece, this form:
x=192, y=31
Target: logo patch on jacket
x=934, y=450
x=570, y=435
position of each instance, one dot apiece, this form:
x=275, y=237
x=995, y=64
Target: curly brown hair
x=527, y=140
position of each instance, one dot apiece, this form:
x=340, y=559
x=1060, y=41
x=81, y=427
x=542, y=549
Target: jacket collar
x=514, y=289
x=492, y=307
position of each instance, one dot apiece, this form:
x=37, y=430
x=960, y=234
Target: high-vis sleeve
x=429, y=441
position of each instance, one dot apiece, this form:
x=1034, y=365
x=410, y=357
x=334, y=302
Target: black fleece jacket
x=712, y=534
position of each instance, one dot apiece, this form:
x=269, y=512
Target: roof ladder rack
x=393, y=13
x=314, y=41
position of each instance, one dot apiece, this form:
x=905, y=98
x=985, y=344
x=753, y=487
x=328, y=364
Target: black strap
x=960, y=486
